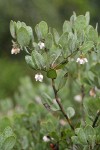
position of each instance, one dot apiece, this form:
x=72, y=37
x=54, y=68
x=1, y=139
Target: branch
x=82, y=107
x=96, y=118
x=60, y=105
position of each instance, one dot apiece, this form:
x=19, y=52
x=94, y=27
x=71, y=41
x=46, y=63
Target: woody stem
x=60, y=105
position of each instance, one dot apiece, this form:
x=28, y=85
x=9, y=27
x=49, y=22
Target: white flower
x=46, y=139
x=78, y=98
x=82, y=60
x=15, y=50
x=39, y=77
x=41, y=45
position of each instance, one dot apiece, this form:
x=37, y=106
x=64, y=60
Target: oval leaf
x=23, y=37
x=80, y=23
x=67, y=27
x=12, y=28
x=29, y=61
x=56, y=35
x=87, y=46
x=48, y=41
x=38, y=59
x=82, y=137
x=70, y=112
x=43, y=28
x=52, y=74
x=9, y=143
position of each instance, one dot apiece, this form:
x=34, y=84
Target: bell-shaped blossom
x=81, y=60
x=15, y=50
x=41, y=45
x=46, y=139
x=39, y=77
x=78, y=98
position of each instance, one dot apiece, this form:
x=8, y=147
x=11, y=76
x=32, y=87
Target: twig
x=60, y=105
x=82, y=91
x=96, y=118
x=82, y=107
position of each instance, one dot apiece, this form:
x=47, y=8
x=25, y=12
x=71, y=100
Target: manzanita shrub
x=65, y=113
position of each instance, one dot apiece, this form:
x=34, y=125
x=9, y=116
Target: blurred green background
x=54, y=12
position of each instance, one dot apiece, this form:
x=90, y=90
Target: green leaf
x=50, y=102
x=75, y=140
x=23, y=37
x=1, y=140
x=43, y=27
x=8, y=132
x=46, y=98
x=70, y=112
x=55, y=56
x=29, y=61
x=87, y=15
x=91, y=106
x=67, y=27
x=63, y=41
x=18, y=25
x=62, y=83
x=73, y=18
x=48, y=41
x=38, y=32
x=92, y=34
x=72, y=41
x=13, y=29
x=82, y=137
x=38, y=59
x=30, y=32
x=89, y=132
x=95, y=69
x=77, y=131
x=9, y=143
x=80, y=23
x=52, y=74
x=7, y=139
x=56, y=36
x=23, y=24
x=87, y=46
